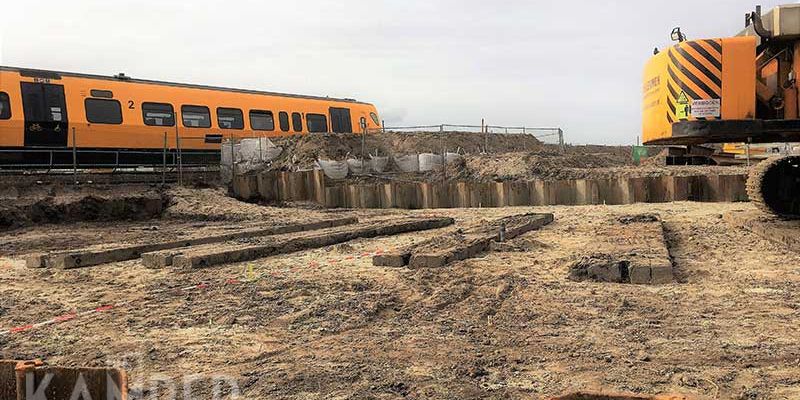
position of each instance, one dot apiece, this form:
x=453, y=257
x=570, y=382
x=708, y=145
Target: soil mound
x=51, y=210
x=304, y=150
x=214, y=204
x=547, y=164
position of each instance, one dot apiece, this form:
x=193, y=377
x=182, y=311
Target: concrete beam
x=649, y=260
x=394, y=259
x=457, y=246
x=202, y=258
x=90, y=257
x=468, y=247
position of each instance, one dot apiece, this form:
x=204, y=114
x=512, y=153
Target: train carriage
x=47, y=112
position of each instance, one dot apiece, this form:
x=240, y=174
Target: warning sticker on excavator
x=706, y=108
x=682, y=108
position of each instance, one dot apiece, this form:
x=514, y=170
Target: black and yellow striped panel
x=694, y=72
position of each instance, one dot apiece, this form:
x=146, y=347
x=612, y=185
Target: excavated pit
x=51, y=210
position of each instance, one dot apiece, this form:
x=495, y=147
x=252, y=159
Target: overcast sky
x=575, y=64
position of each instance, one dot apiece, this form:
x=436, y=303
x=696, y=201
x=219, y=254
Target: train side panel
x=133, y=133
x=12, y=129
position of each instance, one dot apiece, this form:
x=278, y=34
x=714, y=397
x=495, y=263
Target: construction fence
x=547, y=135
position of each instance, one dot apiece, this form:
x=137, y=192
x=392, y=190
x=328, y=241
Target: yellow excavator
x=740, y=89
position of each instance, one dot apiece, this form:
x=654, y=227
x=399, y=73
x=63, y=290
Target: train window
x=158, y=114
x=375, y=118
x=317, y=123
x=230, y=118
x=107, y=94
x=297, y=122
x=283, y=118
x=5, y=106
x=196, y=116
x=262, y=120
x=103, y=111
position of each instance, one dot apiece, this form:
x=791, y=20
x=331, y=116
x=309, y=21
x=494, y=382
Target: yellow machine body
x=711, y=79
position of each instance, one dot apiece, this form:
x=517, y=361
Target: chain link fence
x=547, y=135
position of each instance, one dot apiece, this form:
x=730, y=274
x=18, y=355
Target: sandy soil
x=304, y=150
x=326, y=324
x=592, y=163
x=50, y=205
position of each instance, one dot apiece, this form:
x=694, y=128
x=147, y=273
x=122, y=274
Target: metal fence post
x=363, y=147
x=260, y=151
x=233, y=160
x=180, y=158
x=383, y=126
x=561, y=140
x=441, y=128
x=444, y=159
x=485, y=137
x=164, y=162
x=74, y=156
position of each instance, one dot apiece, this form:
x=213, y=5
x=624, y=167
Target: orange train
x=42, y=110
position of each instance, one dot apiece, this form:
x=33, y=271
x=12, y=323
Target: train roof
x=41, y=73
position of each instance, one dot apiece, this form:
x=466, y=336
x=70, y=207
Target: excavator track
x=773, y=186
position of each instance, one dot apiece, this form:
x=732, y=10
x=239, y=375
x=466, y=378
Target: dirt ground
x=576, y=163
x=302, y=151
x=326, y=324
x=485, y=157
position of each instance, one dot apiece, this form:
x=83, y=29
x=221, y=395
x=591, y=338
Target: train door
x=340, y=120
x=45, y=109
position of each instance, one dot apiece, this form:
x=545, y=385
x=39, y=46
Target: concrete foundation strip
x=195, y=287
x=441, y=251
x=202, y=258
x=90, y=257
